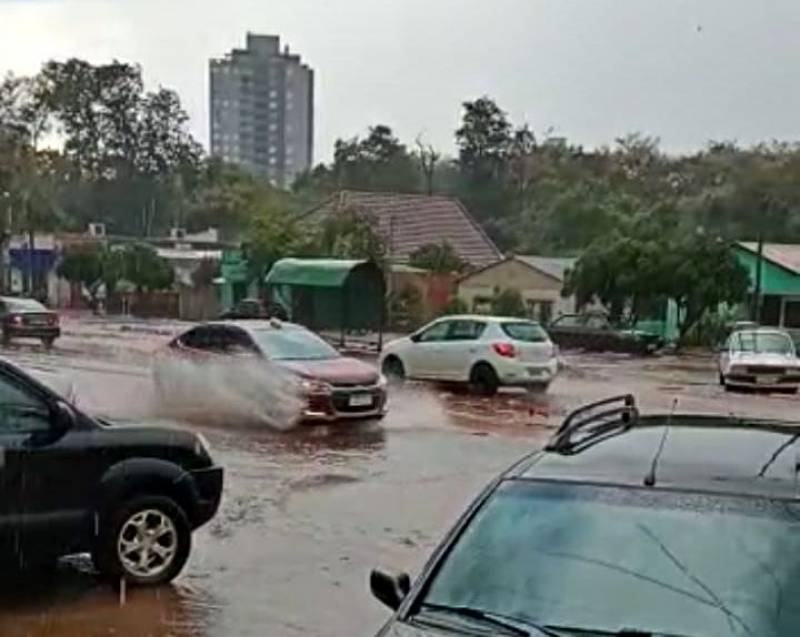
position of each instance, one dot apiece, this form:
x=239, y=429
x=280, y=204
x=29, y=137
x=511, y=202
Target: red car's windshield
x=293, y=345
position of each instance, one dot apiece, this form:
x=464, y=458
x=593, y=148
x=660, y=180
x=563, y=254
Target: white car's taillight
x=506, y=350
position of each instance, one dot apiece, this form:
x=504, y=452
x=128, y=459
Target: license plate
x=360, y=400
x=768, y=380
x=535, y=371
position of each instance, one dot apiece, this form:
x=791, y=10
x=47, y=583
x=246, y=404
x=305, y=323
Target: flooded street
x=307, y=513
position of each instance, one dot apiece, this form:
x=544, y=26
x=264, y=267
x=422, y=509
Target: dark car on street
x=130, y=495
x=28, y=319
x=624, y=524
x=254, y=309
x=334, y=386
x=593, y=332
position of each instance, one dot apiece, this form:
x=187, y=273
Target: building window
x=272, y=149
x=273, y=105
x=273, y=160
x=273, y=127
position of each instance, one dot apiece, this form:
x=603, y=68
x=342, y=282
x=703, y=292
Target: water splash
x=227, y=391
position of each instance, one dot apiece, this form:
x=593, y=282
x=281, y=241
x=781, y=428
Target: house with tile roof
x=409, y=221
x=539, y=280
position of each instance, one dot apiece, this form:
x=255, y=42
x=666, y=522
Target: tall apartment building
x=262, y=110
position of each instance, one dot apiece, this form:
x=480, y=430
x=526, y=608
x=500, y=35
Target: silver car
x=762, y=358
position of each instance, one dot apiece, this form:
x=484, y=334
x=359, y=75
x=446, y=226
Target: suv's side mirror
x=389, y=588
x=415, y=337
x=63, y=416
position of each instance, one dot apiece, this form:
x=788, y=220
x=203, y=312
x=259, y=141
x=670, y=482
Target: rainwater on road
x=306, y=513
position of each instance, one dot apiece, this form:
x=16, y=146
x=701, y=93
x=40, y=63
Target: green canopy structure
x=330, y=294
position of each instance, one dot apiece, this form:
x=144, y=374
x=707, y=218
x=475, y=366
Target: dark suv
x=680, y=525
x=130, y=495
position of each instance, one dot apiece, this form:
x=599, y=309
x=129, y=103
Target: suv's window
x=436, y=332
x=465, y=330
x=525, y=331
x=602, y=558
x=568, y=320
x=20, y=411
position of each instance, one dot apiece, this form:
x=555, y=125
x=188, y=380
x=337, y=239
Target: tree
x=83, y=266
x=628, y=272
x=437, y=257
x=700, y=274
x=350, y=234
x=508, y=302
x=428, y=157
x=484, y=136
x=141, y=265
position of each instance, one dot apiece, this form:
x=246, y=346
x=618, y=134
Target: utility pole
x=756, y=310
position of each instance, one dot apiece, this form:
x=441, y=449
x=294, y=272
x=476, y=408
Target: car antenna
x=650, y=478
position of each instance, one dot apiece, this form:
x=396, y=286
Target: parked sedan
x=334, y=387
x=763, y=358
x=594, y=333
x=27, y=318
x=484, y=352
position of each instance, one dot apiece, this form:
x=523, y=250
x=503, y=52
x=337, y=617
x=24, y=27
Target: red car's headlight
x=314, y=386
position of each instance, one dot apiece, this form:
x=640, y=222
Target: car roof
x=762, y=330
x=486, y=318
x=249, y=325
x=698, y=453
x=22, y=301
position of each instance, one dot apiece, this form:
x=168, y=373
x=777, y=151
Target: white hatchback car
x=763, y=358
x=485, y=352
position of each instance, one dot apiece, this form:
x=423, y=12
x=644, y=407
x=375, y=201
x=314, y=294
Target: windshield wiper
x=513, y=625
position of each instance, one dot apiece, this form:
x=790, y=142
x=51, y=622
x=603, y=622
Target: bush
x=509, y=302
x=455, y=305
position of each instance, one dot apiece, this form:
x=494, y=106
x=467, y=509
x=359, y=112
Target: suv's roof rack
x=593, y=422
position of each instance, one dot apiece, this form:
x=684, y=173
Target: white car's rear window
x=525, y=331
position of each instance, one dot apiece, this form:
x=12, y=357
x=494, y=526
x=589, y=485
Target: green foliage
x=82, y=265
x=350, y=234
x=508, y=302
x=141, y=265
x=378, y=162
x=456, y=305
x=437, y=257
x=626, y=272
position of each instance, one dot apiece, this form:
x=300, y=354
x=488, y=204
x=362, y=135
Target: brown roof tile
x=408, y=222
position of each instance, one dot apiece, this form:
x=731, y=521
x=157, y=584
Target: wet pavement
x=308, y=512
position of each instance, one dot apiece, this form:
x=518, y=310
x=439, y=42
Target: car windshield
x=608, y=559
x=763, y=342
x=293, y=345
x=24, y=305
x=525, y=331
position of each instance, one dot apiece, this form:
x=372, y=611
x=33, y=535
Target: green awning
x=321, y=273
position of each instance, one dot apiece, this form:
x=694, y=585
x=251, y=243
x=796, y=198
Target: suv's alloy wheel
x=146, y=542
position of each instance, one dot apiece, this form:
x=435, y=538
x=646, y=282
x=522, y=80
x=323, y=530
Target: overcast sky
x=686, y=71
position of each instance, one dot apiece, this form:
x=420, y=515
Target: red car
x=333, y=386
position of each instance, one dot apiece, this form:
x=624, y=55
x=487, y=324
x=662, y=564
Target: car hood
x=342, y=370
x=753, y=358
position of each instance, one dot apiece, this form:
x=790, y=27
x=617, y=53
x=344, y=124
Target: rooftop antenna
x=650, y=478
